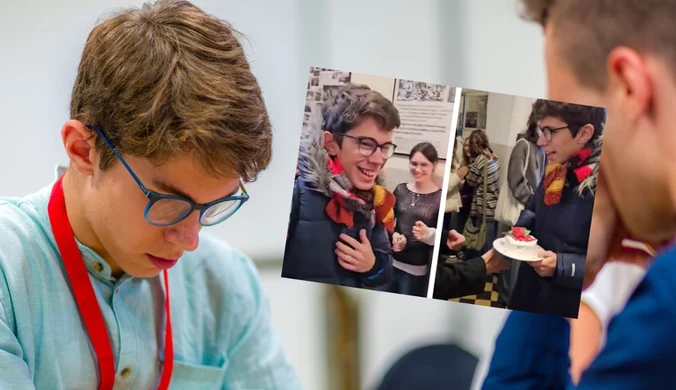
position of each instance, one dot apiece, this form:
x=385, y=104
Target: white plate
x=526, y=254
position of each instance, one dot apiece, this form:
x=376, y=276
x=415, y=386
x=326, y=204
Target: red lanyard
x=86, y=298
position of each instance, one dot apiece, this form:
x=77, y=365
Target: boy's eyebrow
x=170, y=189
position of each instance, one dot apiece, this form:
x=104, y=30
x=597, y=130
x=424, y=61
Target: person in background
x=466, y=190
x=106, y=277
x=559, y=213
x=484, y=166
x=341, y=218
x=417, y=207
x=617, y=55
x=526, y=152
x=453, y=198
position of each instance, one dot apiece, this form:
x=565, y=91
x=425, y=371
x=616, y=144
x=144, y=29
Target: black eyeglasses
x=548, y=131
x=368, y=146
x=167, y=209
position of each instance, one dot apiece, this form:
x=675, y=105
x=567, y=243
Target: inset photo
x=519, y=204
x=368, y=187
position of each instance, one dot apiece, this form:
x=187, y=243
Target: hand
x=355, y=256
x=455, y=240
x=547, y=266
x=398, y=242
x=462, y=171
x=419, y=230
x=495, y=262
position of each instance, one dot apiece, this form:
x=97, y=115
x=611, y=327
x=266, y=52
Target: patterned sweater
x=475, y=178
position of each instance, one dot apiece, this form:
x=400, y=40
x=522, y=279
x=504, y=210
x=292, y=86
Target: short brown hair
x=353, y=104
x=170, y=79
x=574, y=115
x=591, y=29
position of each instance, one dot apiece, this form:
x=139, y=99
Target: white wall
x=479, y=44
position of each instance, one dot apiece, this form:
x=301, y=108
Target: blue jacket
x=531, y=352
x=563, y=229
x=311, y=242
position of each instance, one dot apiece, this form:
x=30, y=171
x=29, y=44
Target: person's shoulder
x=400, y=189
x=20, y=223
x=24, y=244
x=660, y=278
x=522, y=144
x=401, y=186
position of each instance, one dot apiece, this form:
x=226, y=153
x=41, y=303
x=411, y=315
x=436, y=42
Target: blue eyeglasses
x=166, y=209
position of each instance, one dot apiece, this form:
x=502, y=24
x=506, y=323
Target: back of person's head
x=574, y=115
x=478, y=143
x=169, y=79
x=355, y=103
x=594, y=28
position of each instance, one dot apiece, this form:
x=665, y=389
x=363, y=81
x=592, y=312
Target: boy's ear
x=330, y=143
x=585, y=134
x=79, y=145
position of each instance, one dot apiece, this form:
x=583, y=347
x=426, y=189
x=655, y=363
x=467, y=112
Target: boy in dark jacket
x=341, y=217
x=559, y=213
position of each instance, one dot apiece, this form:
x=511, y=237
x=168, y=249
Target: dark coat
x=311, y=243
x=310, y=247
x=460, y=279
x=563, y=229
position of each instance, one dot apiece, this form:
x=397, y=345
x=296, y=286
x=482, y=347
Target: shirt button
x=125, y=372
x=98, y=267
x=117, y=290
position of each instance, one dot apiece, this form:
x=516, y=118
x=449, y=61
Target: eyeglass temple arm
x=119, y=156
x=241, y=186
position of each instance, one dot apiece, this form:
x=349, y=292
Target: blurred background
x=477, y=44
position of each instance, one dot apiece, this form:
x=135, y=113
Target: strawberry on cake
x=520, y=238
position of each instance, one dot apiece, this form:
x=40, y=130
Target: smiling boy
x=166, y=124
x=341, y=218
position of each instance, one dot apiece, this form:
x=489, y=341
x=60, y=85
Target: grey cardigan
x=524, y=186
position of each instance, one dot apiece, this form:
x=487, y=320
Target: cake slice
x=519, y=238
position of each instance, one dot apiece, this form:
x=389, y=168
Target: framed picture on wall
x=323, y=84
x=426, y=113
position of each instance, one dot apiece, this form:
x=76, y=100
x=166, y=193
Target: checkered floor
x=490, y=296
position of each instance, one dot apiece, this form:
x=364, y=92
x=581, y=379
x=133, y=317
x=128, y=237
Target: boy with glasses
x=167, y=121
x=341, y=218
x=618, y=54
x=559, y=213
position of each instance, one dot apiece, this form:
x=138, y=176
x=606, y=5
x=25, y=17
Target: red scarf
x=575, y=171
x=345, y=200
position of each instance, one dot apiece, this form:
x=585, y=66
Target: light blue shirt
x=222, y=331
